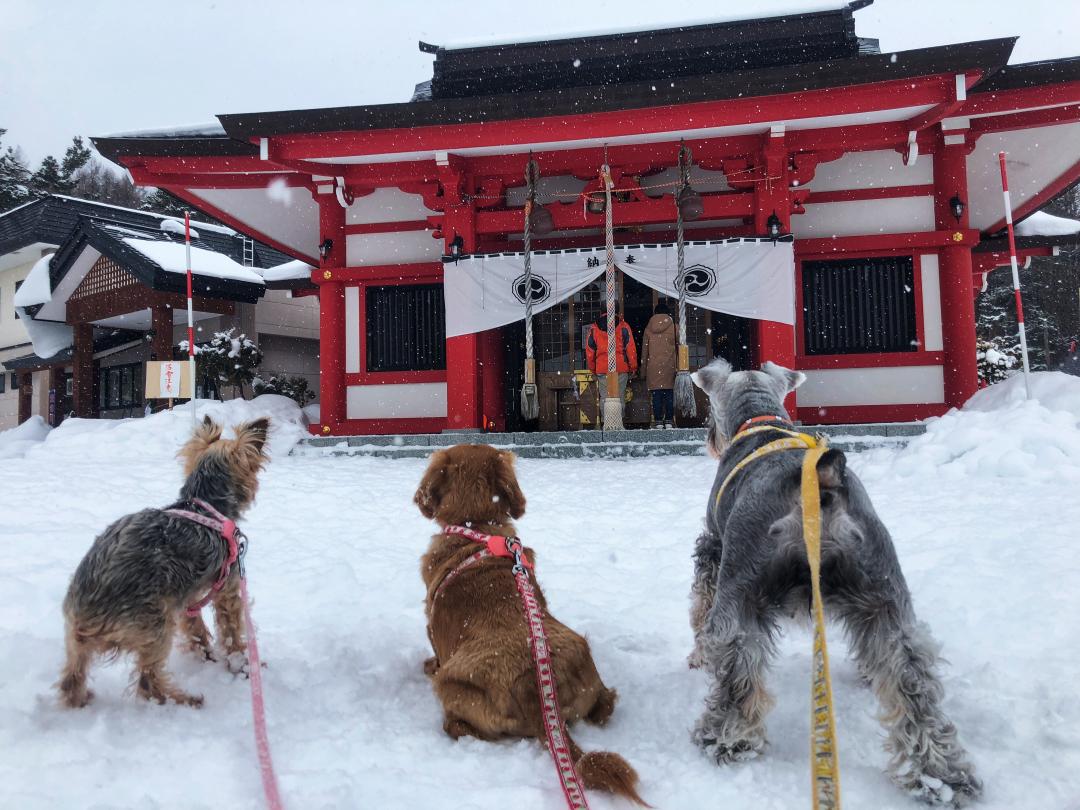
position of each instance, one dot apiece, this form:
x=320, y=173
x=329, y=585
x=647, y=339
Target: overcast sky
x=70, y=67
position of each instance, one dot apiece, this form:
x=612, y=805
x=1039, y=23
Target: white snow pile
x=1001, y=434
x=177, y=227
x=47, y=337
x=172, y=256
x=1043, y=224
x=157, y=437
x=288, y=271
x=15, y=442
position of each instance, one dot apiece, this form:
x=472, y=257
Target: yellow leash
x=824, y=759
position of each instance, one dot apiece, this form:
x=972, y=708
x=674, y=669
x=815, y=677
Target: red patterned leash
x=550, y=710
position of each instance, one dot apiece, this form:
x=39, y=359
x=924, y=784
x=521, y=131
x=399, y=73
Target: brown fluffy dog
x=482, y=669
x=130, y=590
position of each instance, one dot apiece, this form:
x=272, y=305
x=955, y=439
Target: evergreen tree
x=14, y=178
x=162, y=202
x=97, y=181
x=76, y=156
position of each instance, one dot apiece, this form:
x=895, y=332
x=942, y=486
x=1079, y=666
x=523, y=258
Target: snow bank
x=47, y=337
x=1000, y=434
x=16, y=441
x=156, y=438
x=172, y=256
x=177, y=227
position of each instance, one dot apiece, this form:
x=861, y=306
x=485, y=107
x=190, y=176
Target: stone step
x=589, y=443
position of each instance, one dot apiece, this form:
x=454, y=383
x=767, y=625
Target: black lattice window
x=406, y=328
x=859, y=306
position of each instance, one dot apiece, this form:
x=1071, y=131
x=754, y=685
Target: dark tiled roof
x=52, y=219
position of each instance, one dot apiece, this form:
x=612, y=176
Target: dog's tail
x=606, y=771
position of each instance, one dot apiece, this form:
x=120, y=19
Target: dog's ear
x=429, y=493
x=254, y=434
x=205, y=435
x=786, y=380
x=709, y=378
x=506, y=486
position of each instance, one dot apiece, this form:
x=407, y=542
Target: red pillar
x=955, y=269
x=492, y=376
x=82, y=366
x=463, y=382
x=332, y=410
x=464, y=369
x=775, y=341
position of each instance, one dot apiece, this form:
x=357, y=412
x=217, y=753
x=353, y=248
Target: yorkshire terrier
x=130, y=591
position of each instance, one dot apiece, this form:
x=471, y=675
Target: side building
x=89, y=292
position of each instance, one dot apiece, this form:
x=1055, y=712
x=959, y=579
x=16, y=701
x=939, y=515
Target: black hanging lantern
x=957, y=206
x=457, y=246
x=690, y=203
x=774, y=226
x=541, y=221
x=325, y=248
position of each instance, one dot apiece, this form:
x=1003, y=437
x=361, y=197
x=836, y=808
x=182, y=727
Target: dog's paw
x=726, y=752
x=238, y=664
x=431, y=666
x=959, y=789
x=77, y=700
x=695, y=660
x=184, y=699
x=202, y=651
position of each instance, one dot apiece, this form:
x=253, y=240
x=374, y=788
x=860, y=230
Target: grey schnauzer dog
x=751, y=570
x=130, y=590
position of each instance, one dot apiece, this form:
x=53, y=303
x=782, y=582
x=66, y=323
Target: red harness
x=499, y=546
x=224, y=526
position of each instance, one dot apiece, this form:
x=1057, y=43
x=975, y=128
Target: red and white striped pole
x=1015, y=274
x=190, y=314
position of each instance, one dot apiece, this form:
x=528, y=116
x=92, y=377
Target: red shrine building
x=851, y=207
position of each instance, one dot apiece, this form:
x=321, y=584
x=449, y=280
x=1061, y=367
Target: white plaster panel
x=352, y=330
x=876, y=169
x=405, y=401
x=865, y=217
x=1034, y=158
x=291, y=218
x=386, y=205
x=410, y=247
x=891, y=385
x=931, y=302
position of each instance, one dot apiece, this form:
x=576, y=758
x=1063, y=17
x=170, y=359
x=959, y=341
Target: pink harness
x=499, y=546
x=224, y=526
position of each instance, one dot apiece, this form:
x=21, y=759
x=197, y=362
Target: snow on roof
x=204, y=225
x=172, y=256
x=288, y=271
x=177, y=227
x=36, y=288
x=1043, y=224
x=211, y=129
x=639, y=28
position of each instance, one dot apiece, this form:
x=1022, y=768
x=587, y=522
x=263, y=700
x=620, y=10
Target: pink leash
x=237, y=549
x=258, y=709
x=554, y=727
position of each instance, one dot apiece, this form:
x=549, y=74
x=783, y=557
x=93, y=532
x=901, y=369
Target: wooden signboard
x=168, y=379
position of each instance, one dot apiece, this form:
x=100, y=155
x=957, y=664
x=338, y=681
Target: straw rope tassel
x=530, y=402
x=685, y=401
x=824, y=759
x=613, y=405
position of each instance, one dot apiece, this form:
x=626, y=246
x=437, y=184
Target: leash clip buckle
x=513, y=545
x=241, y=552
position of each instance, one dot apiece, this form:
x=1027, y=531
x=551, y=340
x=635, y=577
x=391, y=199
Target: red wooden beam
x=929, y=90
x=885, y=241
x=1069, y=114
x=1044, y=95
x=861, y=194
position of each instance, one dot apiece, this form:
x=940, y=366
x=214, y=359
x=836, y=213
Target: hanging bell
x=540, y=220
x=690, y=203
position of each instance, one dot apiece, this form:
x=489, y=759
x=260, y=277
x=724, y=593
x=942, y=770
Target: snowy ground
x=992, y=562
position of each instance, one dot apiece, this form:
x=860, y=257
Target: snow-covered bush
x=295, y=388
x=227, y=358
x=996, y=361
